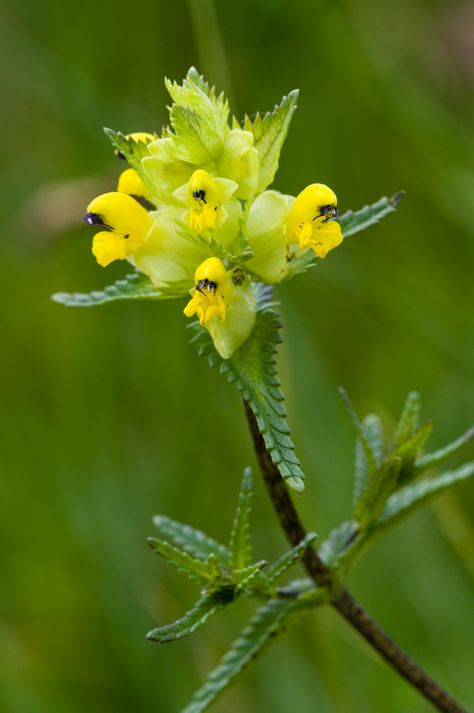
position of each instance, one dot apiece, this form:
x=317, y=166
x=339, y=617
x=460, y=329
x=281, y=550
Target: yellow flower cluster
x=192, y=211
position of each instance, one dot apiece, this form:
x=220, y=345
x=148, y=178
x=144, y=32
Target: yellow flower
x=310, y=221
x=205, y=196
x=210, y=291
x=127, y=225
x=225, y=303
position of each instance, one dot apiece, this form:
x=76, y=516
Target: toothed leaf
x=353, y=222
x=365, y=459
x=269, y=134
x=133, y=287
x=192, y=620
x=253, y=369
x=431, y=460
x=192, y=567
x=246, y=576
x=409, y=419
x=268, y=621
x=195, y=542
x=287, y=560
x=337, y=542
x=414, y=496
x=380, y=484
x=239, y=544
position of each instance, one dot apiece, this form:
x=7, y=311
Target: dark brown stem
x=342, y=600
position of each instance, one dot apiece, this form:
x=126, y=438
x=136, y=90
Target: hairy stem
x=342, y=600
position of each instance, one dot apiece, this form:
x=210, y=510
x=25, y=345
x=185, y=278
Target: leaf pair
x=224, y=572
x=384, y=491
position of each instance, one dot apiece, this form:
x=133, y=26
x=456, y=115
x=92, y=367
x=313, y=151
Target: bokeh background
x=108, y=416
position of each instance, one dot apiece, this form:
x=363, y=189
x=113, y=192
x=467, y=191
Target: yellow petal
x=121, y=213
x=327, y=237
x=142, y=136
x=108, y=246
x=130, y=183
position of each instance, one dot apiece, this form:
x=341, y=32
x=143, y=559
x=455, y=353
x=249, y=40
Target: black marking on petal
x=328, y=212
x=93, y=219
x=200, y=195
x=206, y=286
x=144, y=202
x=96, y=219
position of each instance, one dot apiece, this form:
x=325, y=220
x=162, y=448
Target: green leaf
x=365, y=459
x=369, y=455
x=239, y=544
x=409, y=450
x=337, y=542
x=269, y=134
x=133, y=152
x=246, y=576
x=409, y=419
x=195, y=542
x=209, y=112
x=206, y=607
x=133, y=287
x=380, y=485
x=353, y=222
x=287, y=560
x=412, y=497
x=193, y=140
x=192, y=567
x=253, y=369
x=431, y=460
x=268, y=621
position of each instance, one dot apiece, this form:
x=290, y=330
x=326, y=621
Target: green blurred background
x=108, y=416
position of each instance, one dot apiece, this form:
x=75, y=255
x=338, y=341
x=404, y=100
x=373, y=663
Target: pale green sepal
x=240, y=162
x=229, y=334
x=166, y=256
x=164, y=170
x=266, y=236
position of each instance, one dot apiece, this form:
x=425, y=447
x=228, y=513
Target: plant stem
x=342, y=600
